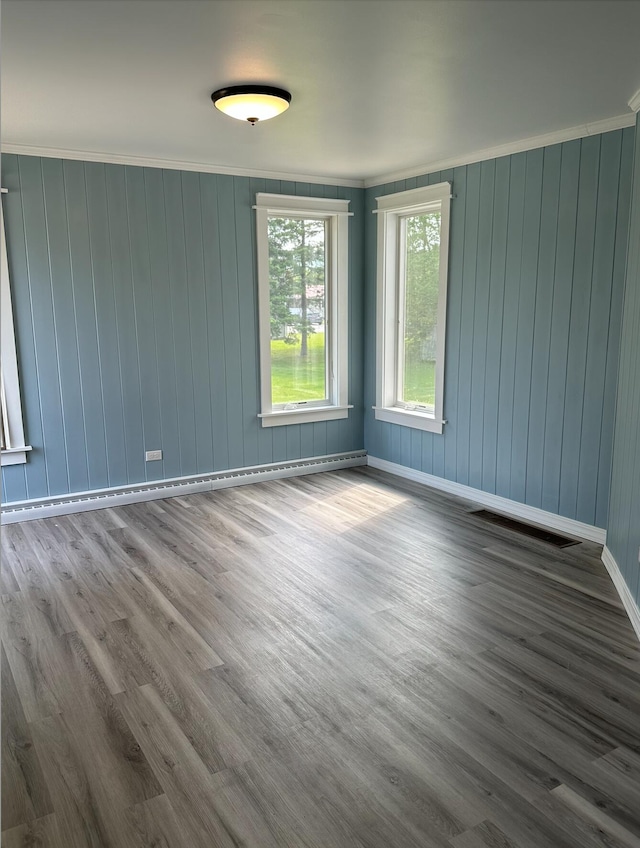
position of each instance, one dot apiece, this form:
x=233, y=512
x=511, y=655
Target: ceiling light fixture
x=251, y=103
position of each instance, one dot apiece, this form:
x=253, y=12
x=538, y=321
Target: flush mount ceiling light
x=251, y=103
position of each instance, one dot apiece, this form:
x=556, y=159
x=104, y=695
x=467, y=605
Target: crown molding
x=532, y=143
x=172, y=164
x=634, y=103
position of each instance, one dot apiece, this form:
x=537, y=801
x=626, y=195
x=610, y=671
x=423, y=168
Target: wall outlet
x=150, y=456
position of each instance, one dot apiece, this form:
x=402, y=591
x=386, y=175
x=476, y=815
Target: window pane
x=420, y=318
x=298, y=307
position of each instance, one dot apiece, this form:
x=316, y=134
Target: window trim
x=16, y=452
x=336, y=212
x=391, y=210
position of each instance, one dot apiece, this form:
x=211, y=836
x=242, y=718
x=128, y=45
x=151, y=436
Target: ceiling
x=378, y=86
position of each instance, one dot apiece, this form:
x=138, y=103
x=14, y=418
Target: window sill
x=409, y=418
x=304, y=415
x=15, y=456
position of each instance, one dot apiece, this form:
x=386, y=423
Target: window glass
x=419, y=321
x=298, y=309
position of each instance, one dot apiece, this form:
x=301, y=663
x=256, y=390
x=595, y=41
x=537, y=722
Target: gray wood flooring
x=322, y=662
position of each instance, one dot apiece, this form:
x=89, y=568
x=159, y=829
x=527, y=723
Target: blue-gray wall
x=536, y=278
x=134, y=294
x=623, y=530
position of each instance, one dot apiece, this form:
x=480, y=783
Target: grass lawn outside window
x=294, y=377
x=420, y=382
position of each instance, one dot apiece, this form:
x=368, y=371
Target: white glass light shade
x=246, y=103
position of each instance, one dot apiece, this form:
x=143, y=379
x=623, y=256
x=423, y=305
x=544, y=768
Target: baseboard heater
x=175, y=487
x=524, y=529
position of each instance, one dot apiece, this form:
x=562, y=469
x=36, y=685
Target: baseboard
x=511, y=508
x=175, y=487
x=633, y=611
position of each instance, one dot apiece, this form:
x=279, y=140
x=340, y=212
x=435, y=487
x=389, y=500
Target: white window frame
x=392, y=211
x=336, y=213
x=16, y=450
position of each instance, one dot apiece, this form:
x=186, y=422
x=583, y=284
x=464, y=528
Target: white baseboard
x=633, y=611
x=548, y=520
x=175, y=487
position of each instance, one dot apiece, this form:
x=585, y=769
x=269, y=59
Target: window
x=13, y=448
x=413, y=247
x=303, y=303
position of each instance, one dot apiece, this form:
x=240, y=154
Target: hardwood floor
x=328, y=661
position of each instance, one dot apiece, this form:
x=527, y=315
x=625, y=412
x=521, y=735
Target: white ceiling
x=378, y=85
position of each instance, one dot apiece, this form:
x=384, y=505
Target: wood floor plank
x=187, y=641
x=533, y=712
x=25, y=795
x=25, y=564
x=209, y=733
x=484, y=835
x=529, y=766
x=188, y=784
x=175, y=574
x=616, y=716
x=81, y=819
x=624, y=762
x=100, y=731
x=154, y=824
x=8, y=582
x=599, y=818
x=34, y=654
x=174, y=536
x=430, y=802
x=38, y=833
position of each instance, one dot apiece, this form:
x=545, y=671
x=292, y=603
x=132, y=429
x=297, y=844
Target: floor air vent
x=525, y=529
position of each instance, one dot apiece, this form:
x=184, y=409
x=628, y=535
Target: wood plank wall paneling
x=537, y=258
x=134, y=294
x=623, y=530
